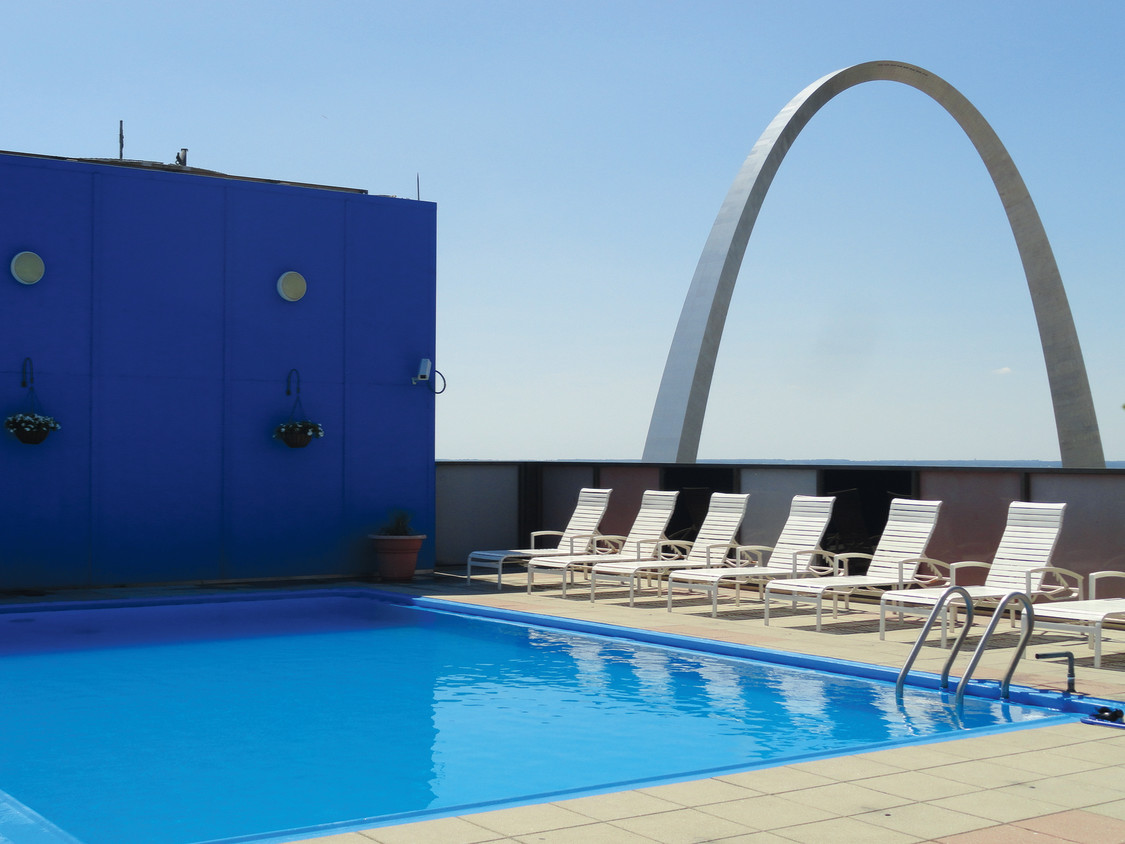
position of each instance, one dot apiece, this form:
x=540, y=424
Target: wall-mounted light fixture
x=425, y=371
x=291, y=286
x=27, y=267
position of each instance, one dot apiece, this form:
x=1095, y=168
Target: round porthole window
x=27, y=268
x=291, y=286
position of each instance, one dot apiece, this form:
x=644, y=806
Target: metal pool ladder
x=1027, y=621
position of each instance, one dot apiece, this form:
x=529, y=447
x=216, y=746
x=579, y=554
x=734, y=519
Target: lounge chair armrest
x=726, y=546
x=584, y=543
x=607, y=543
x=538, y=533
x=847, y=558
x=1098, y=576
x=817, y=571
x=914, y=561
x=651, y=544
x=672, y=549
x=940, y=576
x=755, y=553
x=1061, y=589
x=967, y=564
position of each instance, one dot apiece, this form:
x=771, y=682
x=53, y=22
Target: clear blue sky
x=578, y=153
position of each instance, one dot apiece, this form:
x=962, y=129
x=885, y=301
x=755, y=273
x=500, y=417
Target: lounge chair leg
x=882, y=621
x=714, y=600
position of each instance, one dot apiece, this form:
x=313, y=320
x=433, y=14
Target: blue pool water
x=275, y=718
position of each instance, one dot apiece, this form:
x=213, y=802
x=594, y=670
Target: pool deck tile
x=777, y=780
x=994, y=805
x=918, y=786
x=593, y=834
x=437, y=831
x=914, y=818
x=846, y=831
x=683, y=826
x=1005, y=834
x=522, y=820
x=700, y=792
x=623, y=804
x=1060, y=783
x=767, y=812
x=1079, y=826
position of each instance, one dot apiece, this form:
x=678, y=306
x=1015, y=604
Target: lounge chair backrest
x=910, y=525
x=587, y=515
x=724, y=516
x=808, y=519
x=1028, y=542
x=652, y=520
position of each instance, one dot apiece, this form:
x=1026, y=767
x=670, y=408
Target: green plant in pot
x=396, y=546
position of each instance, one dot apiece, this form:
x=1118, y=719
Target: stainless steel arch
x=677, y=418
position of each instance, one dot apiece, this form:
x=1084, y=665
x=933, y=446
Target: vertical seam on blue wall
x=345, y=523
x=91, y=501
x=224, y=521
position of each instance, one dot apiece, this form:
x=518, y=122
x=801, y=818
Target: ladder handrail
x=941, y=601
x=1027, y=620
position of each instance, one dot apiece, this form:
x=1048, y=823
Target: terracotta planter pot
x=31, y=437
x=396, y=556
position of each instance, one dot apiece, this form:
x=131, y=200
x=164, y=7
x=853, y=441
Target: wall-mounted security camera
x=424, y=368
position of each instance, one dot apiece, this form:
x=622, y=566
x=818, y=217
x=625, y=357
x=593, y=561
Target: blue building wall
x=161, y=345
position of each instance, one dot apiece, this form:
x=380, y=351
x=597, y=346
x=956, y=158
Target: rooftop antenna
x=418, y=186
x=121, y=140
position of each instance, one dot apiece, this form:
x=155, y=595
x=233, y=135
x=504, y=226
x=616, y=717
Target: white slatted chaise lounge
x=577, y=538
x=715, y=539
x=642, y=542
x=794, y=554
x=1086, y=618
x=896, y=562
x=1022, y=563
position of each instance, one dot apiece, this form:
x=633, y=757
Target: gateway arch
x=677, y=418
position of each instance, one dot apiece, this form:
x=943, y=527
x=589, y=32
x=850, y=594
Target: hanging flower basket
x=31, y=428
x=298, y=434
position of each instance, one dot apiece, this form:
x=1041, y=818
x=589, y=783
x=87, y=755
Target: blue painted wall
x=161, y=345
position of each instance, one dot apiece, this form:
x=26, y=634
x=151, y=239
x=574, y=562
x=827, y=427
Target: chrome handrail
x=941, y=601
x=1027, y=620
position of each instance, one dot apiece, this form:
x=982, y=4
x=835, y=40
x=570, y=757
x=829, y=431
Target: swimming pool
x=269, y=718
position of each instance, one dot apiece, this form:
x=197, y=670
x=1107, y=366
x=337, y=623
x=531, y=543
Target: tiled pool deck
x=1052, y=784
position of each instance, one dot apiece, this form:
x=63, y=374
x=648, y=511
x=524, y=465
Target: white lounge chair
x=641, y=543
x=577, y=538
x=711, y=546
x=1086, y=618
x=794, y=554
x=896, y=562
x=1022, y=562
